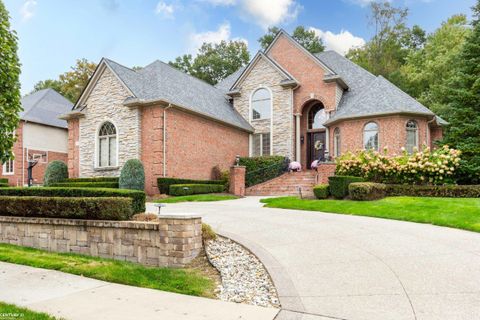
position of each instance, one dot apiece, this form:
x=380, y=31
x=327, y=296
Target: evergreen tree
x=463, y=109
x=10, y=105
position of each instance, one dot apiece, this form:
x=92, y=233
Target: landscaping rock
x=244, y=278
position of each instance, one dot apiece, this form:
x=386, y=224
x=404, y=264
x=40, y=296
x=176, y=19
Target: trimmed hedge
x=138, y=197
x=112, y=185
x=321, y=191
x=93, y=179
x=447, y=191
x=339, y=185
x=365, y=191
x=3, y=185
x=165, y=183
x=3, y=180
x=71, y=208
x=178, y=189
x=261, y=169
x=57, y=171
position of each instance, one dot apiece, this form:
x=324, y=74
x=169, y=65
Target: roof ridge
x=37, y=102
x=121, y=65
x=184, y=73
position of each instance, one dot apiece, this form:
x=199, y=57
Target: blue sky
x=54, y=33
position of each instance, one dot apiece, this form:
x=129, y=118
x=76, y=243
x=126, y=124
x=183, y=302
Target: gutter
x=165, y=139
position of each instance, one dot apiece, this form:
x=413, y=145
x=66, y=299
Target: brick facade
x=20, y=174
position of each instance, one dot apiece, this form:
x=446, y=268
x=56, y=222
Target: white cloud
x=268, y=13
x=223, y=33
x=27, y=10
x=340, y=42
x=265, y=13
x=164, y=10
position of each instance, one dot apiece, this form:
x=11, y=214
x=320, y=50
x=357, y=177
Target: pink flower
x=295, y=166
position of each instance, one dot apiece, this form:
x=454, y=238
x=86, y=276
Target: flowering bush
x=422, y=167
x=295, y=166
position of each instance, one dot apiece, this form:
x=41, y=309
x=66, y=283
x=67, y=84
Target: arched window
x=107, y=145
x=370, y=136
x=412, y=135
x=317, y=117
x=261, y=104
x=336, y=142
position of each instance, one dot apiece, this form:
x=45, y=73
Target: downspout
x=23, y=155
x=428, y=133
x=165, y=139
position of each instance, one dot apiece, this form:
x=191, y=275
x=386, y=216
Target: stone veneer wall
x=105, y=103
x=264, y=74
x=172, y=242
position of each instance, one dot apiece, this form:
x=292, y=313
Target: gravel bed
x=244, y=278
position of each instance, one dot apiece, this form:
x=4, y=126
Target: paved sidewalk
x=74, y=297
x=331, y=266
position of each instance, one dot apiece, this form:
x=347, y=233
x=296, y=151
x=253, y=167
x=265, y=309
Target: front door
x=315, y=147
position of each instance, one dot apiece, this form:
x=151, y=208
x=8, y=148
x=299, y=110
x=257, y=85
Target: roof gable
x=260, y=55
x=283, y=34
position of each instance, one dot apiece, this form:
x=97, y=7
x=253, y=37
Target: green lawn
x=197, y=198
x=461, y=213
x=10, y=311
x=183, y=281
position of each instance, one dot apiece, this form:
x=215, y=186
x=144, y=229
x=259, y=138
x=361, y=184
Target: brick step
x=286, y=184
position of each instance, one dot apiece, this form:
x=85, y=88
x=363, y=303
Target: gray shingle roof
x=160, y=81
x=228, y=82
x=44, y=107
x=367, y=94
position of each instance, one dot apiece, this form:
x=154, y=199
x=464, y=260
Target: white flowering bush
x=422, y=167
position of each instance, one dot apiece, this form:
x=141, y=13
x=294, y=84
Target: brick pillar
x=237, y=180
x=324, y=171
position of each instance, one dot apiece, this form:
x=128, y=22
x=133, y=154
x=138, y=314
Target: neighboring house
x=41, y=136
x=285, y=102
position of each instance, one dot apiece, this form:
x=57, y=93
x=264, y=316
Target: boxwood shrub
x=3, y=180
x=57, y=171
x=339, y=185
x=3, y=185
x=321, y=191
x=113, y=185
x=447, y=191
x=103, y=208
x=367, y=191
x=165, y=183
x=138, y=197
x=93, y=179
x=188, y=189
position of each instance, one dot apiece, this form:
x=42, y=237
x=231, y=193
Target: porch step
x=286, y=185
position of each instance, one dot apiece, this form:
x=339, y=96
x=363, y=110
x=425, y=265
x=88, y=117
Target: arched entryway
x=315, y=140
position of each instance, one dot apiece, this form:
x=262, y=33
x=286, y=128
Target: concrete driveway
x=329, y=266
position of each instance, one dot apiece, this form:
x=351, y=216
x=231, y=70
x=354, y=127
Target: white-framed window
x=107, y=145
x=261, y=104
x=336, y=142
x=412, y=135
x=8, y=167
x=370, y=136
x=261, y=144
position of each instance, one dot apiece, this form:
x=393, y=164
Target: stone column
x=237, y=180
x=298, y=147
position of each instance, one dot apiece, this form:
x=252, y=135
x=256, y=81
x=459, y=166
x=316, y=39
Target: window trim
x=4, y=168
x=97, y=146
x=378, y=135
x=250, y=116
x=261, y=134
x=337, y=144
x=417, y=129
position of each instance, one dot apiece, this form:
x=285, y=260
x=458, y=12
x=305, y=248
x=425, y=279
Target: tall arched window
x=412, y=135
x=370, y=136
x=317, y=117
x=261, y=104
x=336, y=142
x=107, y=145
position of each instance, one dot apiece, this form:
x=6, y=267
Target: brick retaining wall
x=172, y=242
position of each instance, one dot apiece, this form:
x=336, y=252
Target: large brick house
x=286, y=102
x=41, y=137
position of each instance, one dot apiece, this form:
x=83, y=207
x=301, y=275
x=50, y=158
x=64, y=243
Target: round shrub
x=365, y=191
x=322, y=191
x=132, y=175
x=57, y=171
